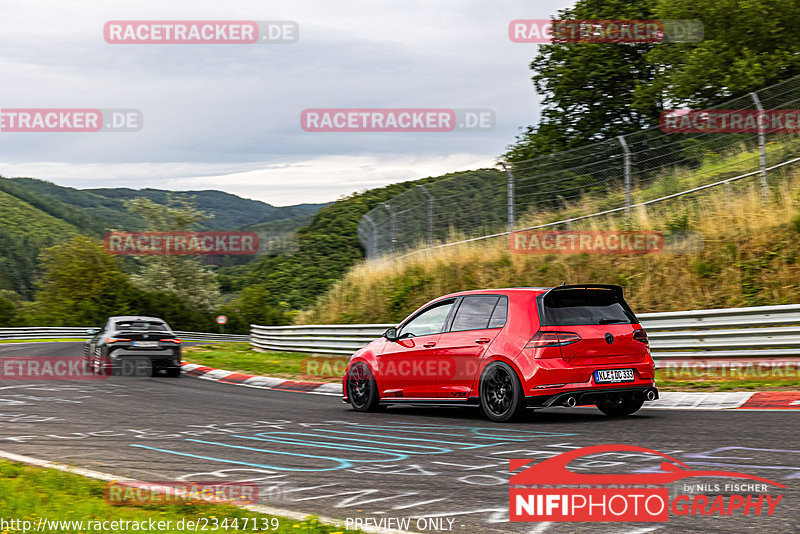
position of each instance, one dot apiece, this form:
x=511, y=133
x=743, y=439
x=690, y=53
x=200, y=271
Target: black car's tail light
x=115, y=339
x=552, y=339
x=172, y=340
x=640, y=335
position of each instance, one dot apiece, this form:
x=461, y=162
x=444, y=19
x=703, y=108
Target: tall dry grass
x=750, y=255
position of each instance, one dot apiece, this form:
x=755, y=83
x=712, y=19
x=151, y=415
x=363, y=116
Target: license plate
x=608, y=376
x=145, y=343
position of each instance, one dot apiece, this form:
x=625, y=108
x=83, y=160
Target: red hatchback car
x=510, y=349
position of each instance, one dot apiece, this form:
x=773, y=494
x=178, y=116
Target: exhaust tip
x=570, y=402
x=651, y=395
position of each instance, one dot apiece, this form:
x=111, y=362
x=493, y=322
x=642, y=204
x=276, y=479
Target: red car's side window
x=430, y=321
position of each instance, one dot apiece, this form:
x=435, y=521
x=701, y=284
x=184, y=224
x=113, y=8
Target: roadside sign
x=222, y=319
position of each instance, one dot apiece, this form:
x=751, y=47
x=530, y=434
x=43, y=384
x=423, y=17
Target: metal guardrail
x=69, y=332
x=755, y=333
x=207, y=336
x=315, y=339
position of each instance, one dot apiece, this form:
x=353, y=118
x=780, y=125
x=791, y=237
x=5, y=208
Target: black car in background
x=133, y=346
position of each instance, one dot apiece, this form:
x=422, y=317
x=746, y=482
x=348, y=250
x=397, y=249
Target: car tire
x=362, y=390
x=621, y=408
x=501, y=396
x=174, y=372
x=101, y=363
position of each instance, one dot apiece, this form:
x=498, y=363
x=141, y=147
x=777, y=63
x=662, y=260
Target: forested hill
x=35, y=214
x=328, y=246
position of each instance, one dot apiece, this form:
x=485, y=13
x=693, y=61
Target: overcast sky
x=228, y=116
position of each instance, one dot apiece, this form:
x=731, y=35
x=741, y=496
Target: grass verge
x=30, y=493
x=759, y=379
x=40, y=340
x=747, y=254
x=238, y=357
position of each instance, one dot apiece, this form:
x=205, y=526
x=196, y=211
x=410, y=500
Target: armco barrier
x=67, y=332
x=763, y=334
x=315, y=339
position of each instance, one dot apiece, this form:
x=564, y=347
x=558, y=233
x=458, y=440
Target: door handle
x=429, y=344
x=482, y=340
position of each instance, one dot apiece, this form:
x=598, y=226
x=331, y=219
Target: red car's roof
x=502, y=291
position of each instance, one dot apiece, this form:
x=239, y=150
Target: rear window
x=568, y=307
x=142, y=326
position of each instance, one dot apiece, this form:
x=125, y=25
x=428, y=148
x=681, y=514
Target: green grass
x=30, y=493
x=728, y=380
x=40, y=340
x=238, y=357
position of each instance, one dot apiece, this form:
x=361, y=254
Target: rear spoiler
x=145, y=332
x=616, y=289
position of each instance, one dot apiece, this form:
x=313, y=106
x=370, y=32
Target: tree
x=181, y=277
x=746, y=46
x=81, y=285
x=9, y=306
x=593, y=92
x=255, y=305
x=589, y=88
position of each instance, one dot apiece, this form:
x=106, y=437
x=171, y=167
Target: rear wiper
x=612, y=321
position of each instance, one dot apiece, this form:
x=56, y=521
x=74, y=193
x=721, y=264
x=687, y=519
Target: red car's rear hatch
x=603, y=322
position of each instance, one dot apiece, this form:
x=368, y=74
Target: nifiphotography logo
x=538, y=493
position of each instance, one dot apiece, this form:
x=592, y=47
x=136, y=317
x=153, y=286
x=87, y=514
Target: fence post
x=430, y=212
x=626, y=156
x=372, y=238
x=762, y=145
x=510, y=197
x=392, y=229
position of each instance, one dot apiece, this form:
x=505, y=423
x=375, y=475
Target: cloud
x=320, y=179
x=227, y=116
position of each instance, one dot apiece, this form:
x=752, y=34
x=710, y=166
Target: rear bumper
x=584, y=397
x=161, y=359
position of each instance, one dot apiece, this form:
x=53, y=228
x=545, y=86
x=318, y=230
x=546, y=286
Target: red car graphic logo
x=554, y=470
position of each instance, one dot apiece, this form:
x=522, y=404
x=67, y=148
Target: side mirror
x=391, y=334
x=92, y=332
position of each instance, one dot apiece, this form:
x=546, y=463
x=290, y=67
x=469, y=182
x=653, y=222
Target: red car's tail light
x=552, y=339
x=176, y=340
x=640, y=335
x=115, y=339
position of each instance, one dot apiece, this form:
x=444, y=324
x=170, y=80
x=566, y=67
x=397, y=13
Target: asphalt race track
x=312, y=454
